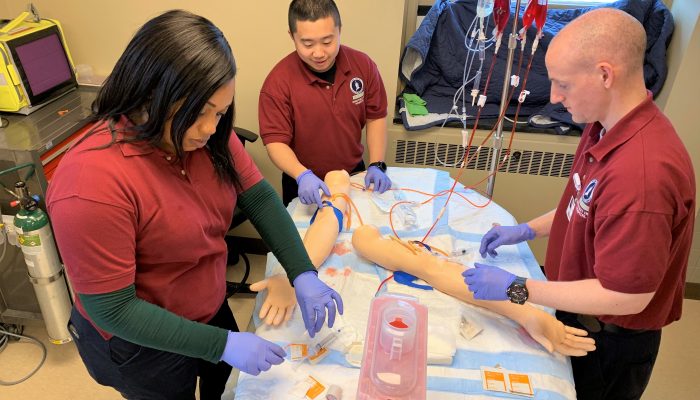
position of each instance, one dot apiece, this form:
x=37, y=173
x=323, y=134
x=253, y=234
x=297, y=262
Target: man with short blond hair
x=620, y=238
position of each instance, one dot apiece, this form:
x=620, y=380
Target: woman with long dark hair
x=140, y=206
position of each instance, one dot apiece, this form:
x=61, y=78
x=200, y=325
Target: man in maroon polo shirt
x=315, y=102
x=621, y=234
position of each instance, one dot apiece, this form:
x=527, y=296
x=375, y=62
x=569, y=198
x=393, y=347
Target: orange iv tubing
x=535, y=11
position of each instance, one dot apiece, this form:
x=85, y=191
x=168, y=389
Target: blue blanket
x=432, y=63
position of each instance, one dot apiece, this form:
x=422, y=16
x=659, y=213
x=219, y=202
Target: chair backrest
x=245, y=135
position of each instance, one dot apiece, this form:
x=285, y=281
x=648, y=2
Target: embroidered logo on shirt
x=585, y=200
x=357, y=86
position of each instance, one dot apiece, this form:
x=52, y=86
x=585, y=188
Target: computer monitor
x=42, y=64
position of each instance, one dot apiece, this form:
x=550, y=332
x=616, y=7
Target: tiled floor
x=63, y=375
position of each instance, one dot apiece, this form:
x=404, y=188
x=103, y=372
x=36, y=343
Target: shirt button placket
x=332, y=94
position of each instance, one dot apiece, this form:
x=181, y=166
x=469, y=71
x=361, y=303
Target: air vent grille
x=528, y=162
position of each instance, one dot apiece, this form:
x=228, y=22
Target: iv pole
x=498, y=136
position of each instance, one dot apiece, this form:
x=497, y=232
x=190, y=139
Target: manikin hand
x=375, y=176
x=309, y=184
x=500, y=235
x=314, y=297
x=250, y=353
x=279, y=301
x=553, y=335
x=487, y=282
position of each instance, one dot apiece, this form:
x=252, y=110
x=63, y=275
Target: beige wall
x=98, y=31
x=679, y=98
x=258, y=34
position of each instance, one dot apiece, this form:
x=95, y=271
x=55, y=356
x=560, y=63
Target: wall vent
x=527, y=162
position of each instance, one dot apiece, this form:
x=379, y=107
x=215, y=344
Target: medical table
x=462, y=338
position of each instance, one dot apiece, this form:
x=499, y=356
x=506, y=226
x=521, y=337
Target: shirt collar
x=124, y=129
x=624, y=130
x=341, y=64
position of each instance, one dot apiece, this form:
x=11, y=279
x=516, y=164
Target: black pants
x=619, y=368
x=142, y=373
x=290, y=189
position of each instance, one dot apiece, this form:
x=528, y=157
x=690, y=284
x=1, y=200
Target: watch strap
x=379, y=164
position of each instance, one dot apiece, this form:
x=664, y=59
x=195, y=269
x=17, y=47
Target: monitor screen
x=45, y=64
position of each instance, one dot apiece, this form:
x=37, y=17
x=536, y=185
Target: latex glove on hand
x=500, y=235
x=314, y=298
x=250, y=353
x=279, y=301
x=487, y=282
x=375, y=176
x=309, y=184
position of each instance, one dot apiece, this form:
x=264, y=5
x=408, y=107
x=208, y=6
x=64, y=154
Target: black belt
x=594, y=325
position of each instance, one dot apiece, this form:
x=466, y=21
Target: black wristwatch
x=517, y=291
x=379, y=164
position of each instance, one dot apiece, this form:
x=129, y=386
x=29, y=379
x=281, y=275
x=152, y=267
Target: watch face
x=379, y=164
x=517, y=292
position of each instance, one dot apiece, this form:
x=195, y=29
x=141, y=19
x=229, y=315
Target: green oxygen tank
x=43, y=264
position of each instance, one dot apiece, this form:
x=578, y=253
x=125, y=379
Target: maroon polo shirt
x=128, y=214
x=631, y=221
x=322, y=122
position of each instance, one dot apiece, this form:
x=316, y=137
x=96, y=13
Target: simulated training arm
x=446, y=277
x=323, y=232
x=318, y=241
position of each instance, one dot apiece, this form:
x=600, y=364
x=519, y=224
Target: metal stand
x=498, y=136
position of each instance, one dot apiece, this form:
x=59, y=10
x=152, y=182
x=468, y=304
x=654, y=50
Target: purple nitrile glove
x=309, y=184
x=487, y=282
x=314, y=297
x=381, y=181
x=500, y=235
x=250, y=353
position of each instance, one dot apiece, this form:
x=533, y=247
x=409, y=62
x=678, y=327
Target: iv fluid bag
x=484, y=8
x=383, y=201
x=541, y=14
x=406, y=215
x=501, y=13
x=404, y=212
x=529, y=14
x=536, y=11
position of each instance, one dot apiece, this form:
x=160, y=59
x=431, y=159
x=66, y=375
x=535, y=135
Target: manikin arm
x=446, y=277
x=322, y=234
x=319, y=241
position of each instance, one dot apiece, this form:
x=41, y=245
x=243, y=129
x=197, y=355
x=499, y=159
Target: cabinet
x=37, y=142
